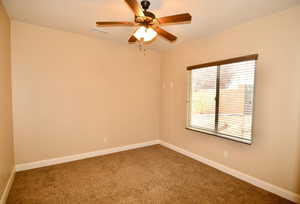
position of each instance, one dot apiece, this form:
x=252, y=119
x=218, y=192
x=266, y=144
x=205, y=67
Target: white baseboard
x=249, y=179
x=49, y=162
x=8, y=187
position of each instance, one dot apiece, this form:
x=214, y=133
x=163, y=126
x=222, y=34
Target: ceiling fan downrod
x=145, y=4
x=149, y=15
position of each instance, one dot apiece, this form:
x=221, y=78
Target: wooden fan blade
x=115, y=23
x=133, y=4
x=132, y=39
x=179, y=18
x=164, y=33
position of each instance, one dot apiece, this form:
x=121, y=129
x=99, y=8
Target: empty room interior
x=149, y=101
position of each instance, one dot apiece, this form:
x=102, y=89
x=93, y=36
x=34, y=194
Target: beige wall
x=6, y=139
x=71, y=92
x=275, y=154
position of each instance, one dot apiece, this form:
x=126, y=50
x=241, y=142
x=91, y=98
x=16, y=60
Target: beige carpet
x=148, y=175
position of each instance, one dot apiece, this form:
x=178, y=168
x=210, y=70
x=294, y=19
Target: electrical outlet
x=104, y=139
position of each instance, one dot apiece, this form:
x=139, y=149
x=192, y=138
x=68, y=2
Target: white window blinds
x=203, y=93
x=220, y=99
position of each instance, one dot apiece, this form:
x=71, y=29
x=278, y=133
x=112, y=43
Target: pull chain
x=141, y=47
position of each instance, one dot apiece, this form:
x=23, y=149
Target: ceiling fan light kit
x=148, y=23
x=145, y=34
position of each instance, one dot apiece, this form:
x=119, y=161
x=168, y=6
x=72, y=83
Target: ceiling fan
x=147, y=23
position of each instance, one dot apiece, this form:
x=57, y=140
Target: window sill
x=236, y=139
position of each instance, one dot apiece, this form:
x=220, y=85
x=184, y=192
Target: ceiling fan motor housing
x=149, y=16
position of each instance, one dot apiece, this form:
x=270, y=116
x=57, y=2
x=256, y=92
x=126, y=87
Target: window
x=220, y=98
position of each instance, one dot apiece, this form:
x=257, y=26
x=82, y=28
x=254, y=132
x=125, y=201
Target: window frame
x=189, y=90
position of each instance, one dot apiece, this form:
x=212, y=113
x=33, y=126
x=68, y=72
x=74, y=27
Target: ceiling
x=209, y=16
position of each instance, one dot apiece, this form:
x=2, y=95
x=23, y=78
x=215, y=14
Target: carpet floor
x=150, y=175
